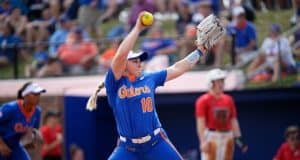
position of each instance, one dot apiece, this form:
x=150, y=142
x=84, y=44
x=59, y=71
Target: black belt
x=218, y=130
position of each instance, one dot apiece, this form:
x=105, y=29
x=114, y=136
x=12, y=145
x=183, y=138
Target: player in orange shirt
x=217, y=124
x=77, y=55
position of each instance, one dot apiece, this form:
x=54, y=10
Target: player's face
x=52, y=121
x=293, y=137
x=218, y=85
x=134, y=67
x=274, y=35
x=32, y=98
x=239, y=20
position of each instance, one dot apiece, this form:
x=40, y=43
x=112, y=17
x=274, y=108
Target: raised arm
x=209, y=32
x=185, y=64
x=120, y=59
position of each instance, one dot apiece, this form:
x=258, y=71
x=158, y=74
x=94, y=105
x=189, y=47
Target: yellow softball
x=147, y=18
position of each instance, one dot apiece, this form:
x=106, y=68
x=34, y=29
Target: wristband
x=239, y=142
x=193, y=57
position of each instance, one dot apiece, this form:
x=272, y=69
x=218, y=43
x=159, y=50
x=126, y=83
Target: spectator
x=77, y=56
x=107, y=56
x=296, y=10
x=158, y=48
x=203, y=10
x=55, y=7
x=60, y=34
x=187, y=43
x=71, y=8
x=275, y=55
x=122, y=28
x=40, y=29
x=246, y=4
x=97, y=11
x=216, y=119
x=76, y=152
x=52, y=135
x=35, y=8
x=290, y=149
x=40, y=58
x=51, y=68
x=5, y=9
x=244, y=33
x=185, y=17
x=9, y=45
x=19, y=4
x=18, y=21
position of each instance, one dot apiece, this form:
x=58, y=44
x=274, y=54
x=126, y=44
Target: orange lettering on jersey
x=124, y=92
x=138, y=91
x=20, y=128
x=146, y=104
x=131, y=92
x=146, y=89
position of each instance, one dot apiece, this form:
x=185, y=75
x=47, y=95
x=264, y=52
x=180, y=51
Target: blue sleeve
x=158, y=77
x=111, y=85
x=6, y=113
x=230, y=30
x=110, y=81
x=252, y=32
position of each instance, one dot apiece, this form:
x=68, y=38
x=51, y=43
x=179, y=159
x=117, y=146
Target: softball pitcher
x=131, y=92
x=216, y=119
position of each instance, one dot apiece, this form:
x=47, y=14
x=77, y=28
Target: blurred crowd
x=65, y=37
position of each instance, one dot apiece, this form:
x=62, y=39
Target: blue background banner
x=263, y=116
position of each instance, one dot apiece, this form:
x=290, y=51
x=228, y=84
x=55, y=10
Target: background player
x=131, y=96
x=18, y=118
x=290, y=149
x=216, y=119
x=52, y=135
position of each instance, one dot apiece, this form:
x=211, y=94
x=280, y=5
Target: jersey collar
x=27, y=115
x=131, y=78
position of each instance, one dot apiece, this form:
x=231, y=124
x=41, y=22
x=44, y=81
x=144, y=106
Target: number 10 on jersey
x=146, y=104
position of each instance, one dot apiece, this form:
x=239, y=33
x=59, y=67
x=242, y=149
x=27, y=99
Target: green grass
x=263, y=21
x=7, y=72
x=284, y=82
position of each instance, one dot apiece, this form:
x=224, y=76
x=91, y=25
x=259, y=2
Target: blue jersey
x=14, y=122
x=244, y=35
x=133, y=102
